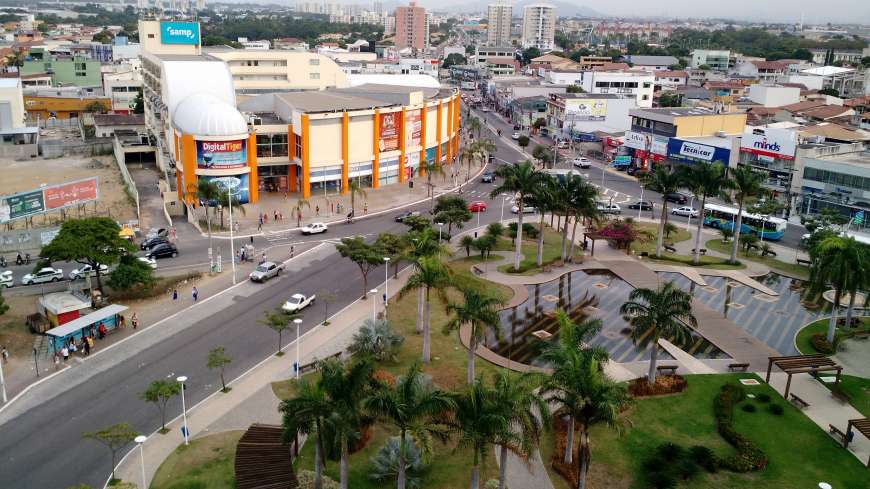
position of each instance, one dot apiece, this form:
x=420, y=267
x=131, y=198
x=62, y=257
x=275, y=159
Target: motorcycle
x=349, y=218
x=3, y=261
x=19, y=260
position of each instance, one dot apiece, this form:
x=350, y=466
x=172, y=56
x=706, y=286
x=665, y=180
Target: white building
x=484, y=53
x=498, y=30
x=716, y=59
x=122, y=88
x=774, y=95
x=539, y=26
x=571, y=113
x=17, y=140
x=254, y=45
x=638, y=84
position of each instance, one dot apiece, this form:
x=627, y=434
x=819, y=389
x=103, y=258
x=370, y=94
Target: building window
x=645, y=84
x=314, y=76
x=645, y=97
x=314, y=61
x=271, y=145
x=298, y=145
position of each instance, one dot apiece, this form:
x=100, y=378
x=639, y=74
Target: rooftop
x=827, y=71
x=653, y=60
x=119, y=120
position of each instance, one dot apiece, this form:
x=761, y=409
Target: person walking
x=174, y=295
x=365, y=208
x=56, y=361
x=134, y=320
x=317, y=210
x=292, y=249
x=65, y=353
x=195, y=292
x=4, y=354
x=86, y=347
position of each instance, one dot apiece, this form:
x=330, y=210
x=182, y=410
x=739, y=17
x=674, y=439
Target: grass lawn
x=529, y=264
x=821, y=326
x=206, y=462
x=792, y=269
x=649, y=245
x=858, y=389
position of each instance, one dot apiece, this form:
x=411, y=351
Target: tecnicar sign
x=220, y=155
x=775, y=143
x=691, y=152
x=179, y=33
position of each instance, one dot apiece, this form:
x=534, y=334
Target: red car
x=477, y=206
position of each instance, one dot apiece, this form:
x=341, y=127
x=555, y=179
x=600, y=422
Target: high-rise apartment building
x=498, y=30
x=411, y=27
x=539, y=26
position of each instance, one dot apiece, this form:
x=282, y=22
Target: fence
x=56, y=148
x=120, y=159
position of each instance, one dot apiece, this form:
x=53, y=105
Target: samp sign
x=179, y=33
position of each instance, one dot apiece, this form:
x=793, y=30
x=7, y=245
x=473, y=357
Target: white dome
x=203, y=114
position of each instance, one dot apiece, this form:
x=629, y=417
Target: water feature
x=597, y=293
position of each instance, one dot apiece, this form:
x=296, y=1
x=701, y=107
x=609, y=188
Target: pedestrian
x=195, y=292
x=86, y=347
x=4, y=354
x=332, y=207
x=65, y=352
x=259, y=224
x=252, y=239
x=275, y=213
x=72, y=346
x=56, y=361
x=338, y=208
x=317, y=210
x=102, y=331
x=174, y=295
x=264, y=258
x=292, y=249
x=122, y=320
x=134, y=321
x=365, y=208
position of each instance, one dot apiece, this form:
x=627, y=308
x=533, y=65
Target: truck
x=297, y=302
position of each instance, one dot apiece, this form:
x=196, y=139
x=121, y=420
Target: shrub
x=776, y=409
x=491, y=484
x=306, y=480
x=748, y=407
x=704, y=457
x=529, y=230
x=376, y=339
x=687, y=468
x=749, y=457
x=661, y=480
x=765, y=398
x=821, y=344
x=385, y=463
x=495, y=229
x=669, y=451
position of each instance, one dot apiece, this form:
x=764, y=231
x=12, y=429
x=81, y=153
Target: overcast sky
x=779, y=10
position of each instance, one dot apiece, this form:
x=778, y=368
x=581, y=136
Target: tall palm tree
x=486, y=147
x=583, y=205
x=844, y=264
x=704, y=180
x=354, y=189
x=297, y=209
x=468, y=155
x=207, y=192
x=477, y=310
x=431, y=168
x=479, y=421
x=527, y=412
x=656, y=313
x=414, y=407
x=521, y=179
x=423, y=243
x=430, y=273
x=474, y=125
x=544, y=200
x=305, y=414
x=664, y=181
x=747, y=184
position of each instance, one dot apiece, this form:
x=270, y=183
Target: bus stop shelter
x=83, y=326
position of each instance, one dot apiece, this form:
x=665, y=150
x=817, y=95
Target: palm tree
x=656, y=313
x=423, y=243
x=521, y=179
x=583, y=204
x=306, y=414
x=354, y=189
x=664, y=181
x=297, y=210
x=468, y=155
x=207, y=192
x=527, y=412
x=414, y=407
x=486, y=147
x=477, y=310
x=430, y=273
x=473, y=124
x=431, y=167
x=841, y=263
x=479, y=421
x=747, y=184
x=704, y=181
x=544, y=200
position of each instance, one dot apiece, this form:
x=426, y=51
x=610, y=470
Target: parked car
x=477, y=206
x=636, y=172
x=527, y=209
x=6, y=279
x=641, y=205
x=582, y=162
x=401, y=217
x=485, y=109
x=488, y=177
x=517, y=127
x=676, y=198
x=265, y=271
x=297, y=302
x=515, y=136
x=685, y=211
x=152, y=242
x=563, y=144
x=87, y=271
x=157, y=233
x=607, y=208
x=151, y=262
x=162, y=251
x=47, y=274
x=314, y=228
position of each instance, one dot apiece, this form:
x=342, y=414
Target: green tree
x=543, y=153
x=656, y=313
x=96, y=107
x=279, y=321
x=527, y=412
x=747, y=184
x=423, y=244
x=137, y=106
x=474, y=126
x=479, y=421
x=130, y=272
x=366, y=256
x=114, y=437
x=523, y=141
x=664, y=181
x=706, y=180
x=544, y=199
x=521, y=179
x=354, y=189
x=431, y=168
x=417, y=223
x=306, y=414
x=529, y=54
x=453, y=217
x=575, y=89
x=579, y=200
x=414, y=407
x=102, y=37
x=670, y=100
x=225, y=201
x=466, y=242
x=479, y=311
x=453, y=59
x=207, y=193
x=844, y=264
x=484, y=245
x=218, y=360
x=395, y=247
x=296, y=210
x=90, y=241
x=430, y=273
x=159, y=392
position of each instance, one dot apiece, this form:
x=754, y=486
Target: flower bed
x=665, y=384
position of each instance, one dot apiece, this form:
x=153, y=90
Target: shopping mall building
x=315, y=138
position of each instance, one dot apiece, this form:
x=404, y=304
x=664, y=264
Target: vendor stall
x=102, y=320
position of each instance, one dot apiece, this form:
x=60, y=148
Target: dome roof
x=202, y=114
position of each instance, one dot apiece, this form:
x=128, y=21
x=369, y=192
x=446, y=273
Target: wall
x=149, y=38
x=774, y=96
x=15, y=99
x=709, y=125
x=296, y=73
x=61, y=106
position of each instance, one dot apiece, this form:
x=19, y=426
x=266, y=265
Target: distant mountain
x=564, y=9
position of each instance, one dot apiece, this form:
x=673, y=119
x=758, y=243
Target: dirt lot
x=20, y=176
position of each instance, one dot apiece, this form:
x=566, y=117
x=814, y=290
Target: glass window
x=314, y=76
x=314, y=61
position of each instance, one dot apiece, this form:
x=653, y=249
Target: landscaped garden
x=774, y=263
x=805, y=343
x=206, y=463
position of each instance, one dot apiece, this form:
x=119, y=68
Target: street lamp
x=640, y=204
x=2, y=381
x=181, y=380
x=298, y=323
x=140, y=440
x=503, y=200
x=440, y=226
x=386, y=282
x=229, y=183
x=691, y=208
x=374, y=293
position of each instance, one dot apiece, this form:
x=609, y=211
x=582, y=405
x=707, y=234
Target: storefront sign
x=680, y=150
x=389, y=131
x=179, y=33
x=430, y=154
x=587, y=110
x=647, y=142
x=413, y=128
x=774, y=143
x=21, y=205
x=219, y=155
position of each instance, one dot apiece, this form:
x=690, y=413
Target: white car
x=582, y=162
x=485, y=109
x=685, y=211
x=606, y=208
x=151, y=262
x=314, y=228
x=515, y=136
x=47, y=274
x=6, y=279
x=297, y=302
x=87, y=271
x=527, y=209
x=563, y=144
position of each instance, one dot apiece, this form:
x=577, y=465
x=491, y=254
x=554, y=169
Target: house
x=656, y=63
x=671, y=78
x=105, y=125
x=503, y=66
x=763, y=71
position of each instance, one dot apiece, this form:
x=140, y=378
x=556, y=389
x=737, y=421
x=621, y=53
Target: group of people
x=263, y=218
x=86, y=343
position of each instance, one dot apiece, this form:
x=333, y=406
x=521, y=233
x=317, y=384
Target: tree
x=225, y=200
x=466, y=242
x=670, y=100
x=453, y=59
x=479, y=421
x=523, y=141
x=664, y=181
x=747, y=184
x=529, y=54
x=114, y=437
x=102, y=37
x=90, y=241
x=474, y=126
x=479, y=311
x=470, y=49
x=326, y=297
x=207, y=193
x=296, y=210
x=423, y=244
x=218, y=360
x=527, y=412
x=130, y=272
x=137, y=106
x=414, y=407
x=453, y=217
x=544, y=200
x=844, y=264
x=279, y=321
x=160, y=392
x=575, y=89
x=366, y=256
x=653, y=314
x=575, y=197
x=96, y=107
x=705, y=180
x=4, y=307
x=417, y=223
x=833, y=92
x=484, y=245
x=430, y=273
x=354, y=189
x=545, y=154
x=521, y=179
x=305, y=414
x=705, y=67
x=431, y=168
x=865, y=61
x=376, y=339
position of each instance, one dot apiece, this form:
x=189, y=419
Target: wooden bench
x=703, y=251
x=801, y=261
x=837, y=433
x=800, y=403
x=861, y=335
x=670, y=248
x=669, y=368
x=743, y=367
x=476, y=269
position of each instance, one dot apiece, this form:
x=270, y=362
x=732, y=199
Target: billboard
x=179, y=33
x=430, y=154
x=413, y=128
x=647, y=142
x=220, y=155
x=691, y=152
x=240, y=190
x=587, y=110
x=47, y=199
x=389, y=131
x=776, y=143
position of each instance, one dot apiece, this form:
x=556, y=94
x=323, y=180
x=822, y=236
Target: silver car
x=47, y=274
x=265, y=271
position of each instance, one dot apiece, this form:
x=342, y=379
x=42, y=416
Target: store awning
x=77, y=324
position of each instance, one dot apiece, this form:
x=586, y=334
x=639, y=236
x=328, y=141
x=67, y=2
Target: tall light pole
x=440, y=227
x=374, y=293
x=229, y=183
x=503, y=200
x=640, y=204
x=2, y=382
x=141, y=440
x=298, y=323
x=386, y=283
x=181, y=380
x=689, y=220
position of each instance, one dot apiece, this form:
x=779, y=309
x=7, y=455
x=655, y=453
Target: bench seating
x=801, y=261
x=861, y=335
x=672, y=369
x=743, y=367
x=837, y=433
x=703, y=251
x=800, y=403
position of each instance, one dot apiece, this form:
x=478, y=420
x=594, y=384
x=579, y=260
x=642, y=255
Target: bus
x=720, y=216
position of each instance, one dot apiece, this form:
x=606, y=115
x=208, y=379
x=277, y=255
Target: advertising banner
x=70, y=194
x=647, y=142
x=220, y=155
x=687, y=151
x=774, y=143
x=430, y=154
x=21, y=205
x=389, y=131
x=240, y=190
x=587, y=110
x=413, y=128
x=179, y=33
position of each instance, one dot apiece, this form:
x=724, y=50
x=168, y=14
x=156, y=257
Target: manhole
x=735, y=305
x=550, y=298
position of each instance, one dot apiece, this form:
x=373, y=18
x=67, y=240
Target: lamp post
x=140, y=440
x=503, y=200
x=640, y=204
x=386, y=282
x=374, y=293
x=229, y=183
x=689, y=220
x=440, y=226
x=2, y=382
x=298, y=323
x=181, y=380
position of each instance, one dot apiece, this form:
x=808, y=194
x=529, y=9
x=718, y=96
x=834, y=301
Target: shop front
x=274, y=178
x=692, y=152
x=610, y=147
x=646, y=149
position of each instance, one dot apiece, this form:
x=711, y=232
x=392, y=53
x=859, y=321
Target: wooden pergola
x=863, y=427
x=802, y=364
